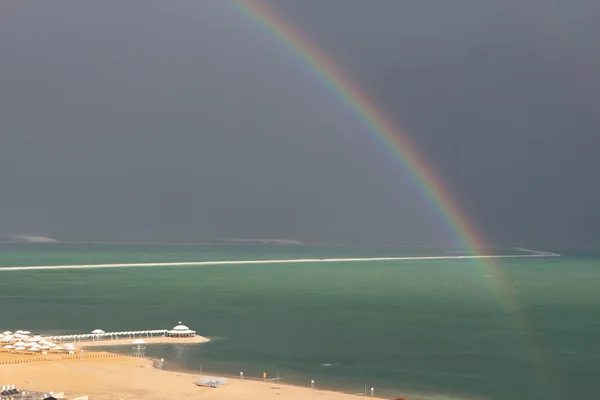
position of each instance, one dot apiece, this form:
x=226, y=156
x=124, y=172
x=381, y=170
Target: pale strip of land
x=151, y=340
x=284, y=261
x=134, y=378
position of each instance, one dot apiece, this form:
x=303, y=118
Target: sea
x=509, y=328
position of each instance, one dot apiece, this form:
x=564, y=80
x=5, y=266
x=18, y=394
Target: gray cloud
x=185, y=121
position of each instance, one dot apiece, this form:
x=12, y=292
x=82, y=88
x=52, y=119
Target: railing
x=109, y=335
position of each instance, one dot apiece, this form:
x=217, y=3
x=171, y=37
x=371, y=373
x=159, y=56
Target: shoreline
x=271, y=381
x=103, y=378
x=271, y=261
x=91, y=350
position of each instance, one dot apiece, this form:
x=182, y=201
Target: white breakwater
x=249, y=262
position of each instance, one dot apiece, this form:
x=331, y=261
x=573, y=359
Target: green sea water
x=422, y=329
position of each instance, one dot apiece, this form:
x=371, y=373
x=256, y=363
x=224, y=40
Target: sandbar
x=151, y=340
x=282, y=261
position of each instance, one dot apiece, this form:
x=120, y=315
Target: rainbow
x=404, y=152
x=395, y=140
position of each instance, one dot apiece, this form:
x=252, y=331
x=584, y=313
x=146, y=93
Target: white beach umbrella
x=20, y=344
x=18, y=332
x=6, y=333
x=139, y=341
x=26, y=333
x=98, y=332
x=9, y=346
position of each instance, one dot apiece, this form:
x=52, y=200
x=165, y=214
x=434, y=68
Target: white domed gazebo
x=180, y=331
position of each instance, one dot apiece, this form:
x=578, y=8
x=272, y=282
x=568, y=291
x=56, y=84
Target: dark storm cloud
x=184, y=121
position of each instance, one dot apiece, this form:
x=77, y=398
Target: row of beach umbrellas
x=22, y=341
x=41, y=346
x=21, y=336
x=9, y=337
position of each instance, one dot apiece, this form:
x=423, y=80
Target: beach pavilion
x=180, y=331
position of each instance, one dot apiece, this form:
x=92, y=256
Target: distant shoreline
x=281, y=261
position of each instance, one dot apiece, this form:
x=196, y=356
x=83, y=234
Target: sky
x=185, y=121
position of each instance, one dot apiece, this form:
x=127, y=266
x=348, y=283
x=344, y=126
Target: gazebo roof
x=181, y=327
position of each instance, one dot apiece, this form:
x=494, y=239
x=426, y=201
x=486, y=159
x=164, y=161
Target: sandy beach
x=135, y=378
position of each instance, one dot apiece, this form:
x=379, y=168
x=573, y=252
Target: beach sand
x=134, y=378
